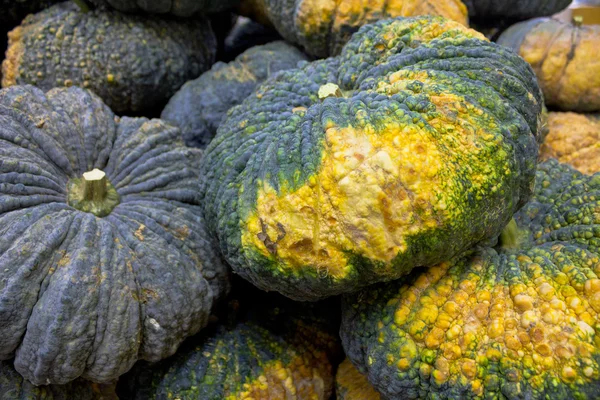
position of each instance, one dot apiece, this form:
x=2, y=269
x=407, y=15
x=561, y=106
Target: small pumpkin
x=322, y=27
x=564, y=58
x=515, y=9
x=516, y=322
x=352, y=385
x=135, y=66
x=200, y=105
x=104, y=259
x=573, y=139
x=416, y=143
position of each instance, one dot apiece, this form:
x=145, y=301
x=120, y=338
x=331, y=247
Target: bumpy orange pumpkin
x=573, y=139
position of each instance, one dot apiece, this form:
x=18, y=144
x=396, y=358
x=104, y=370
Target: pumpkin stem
x=577, y=20
x=329, y=90
x=82, y=5
x=93, y=193
x=511, y=237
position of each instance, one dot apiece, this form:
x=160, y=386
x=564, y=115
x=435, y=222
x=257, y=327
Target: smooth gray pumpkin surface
x=82, y=295
x=134, y=63
x=199, y=106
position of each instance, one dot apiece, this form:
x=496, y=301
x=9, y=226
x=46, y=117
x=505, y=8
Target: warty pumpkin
x=516, y=322
x=416, y=143
x=573, y=139
x=199, y=106
x=352, y=385
x=564, y=58
x=277, y=350
x=104, y=259
x=322, y=27
x=133, y=63
x=514, y=9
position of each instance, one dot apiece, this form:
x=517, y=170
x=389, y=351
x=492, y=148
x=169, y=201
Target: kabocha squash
x=14, y=387
x=565, y=59
x=517, y=9
x=277, y=356
x=103, y=255
x=416, y=143
x=199, y=106
x=573, y=139
x=518, y=322
x=134, y=64
x=181, y=8
x=322, y=27
x=352, y=385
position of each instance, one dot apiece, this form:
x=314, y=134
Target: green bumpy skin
x=517, y=322
x=14, y=387
x=82, y=295
x=282, y=351
x=430, y=148
x=180, y=8
x=514, y=9
x=135, y=64
x=200, y=105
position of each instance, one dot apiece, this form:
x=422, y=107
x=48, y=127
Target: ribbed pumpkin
x=134, y=64
x=322, y=27
x=517, y=9
x=103, y=255
x=181, y=8
x=416, y=143
x=517, y=322
x=573, y=139
x=564, y=57
x=352, y=385
x=200, y=105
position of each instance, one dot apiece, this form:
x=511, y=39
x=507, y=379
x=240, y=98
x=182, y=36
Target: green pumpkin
x=514, y=9
x=275, y=350
x=516, y=322
x=414, y=144
x=104, y=259
x=135, y=64
x=199, y=106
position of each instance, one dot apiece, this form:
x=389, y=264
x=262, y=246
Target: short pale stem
x=82, y=5
x=329, y=90
x=578, y=20
x=509, y=238
x=95, y=185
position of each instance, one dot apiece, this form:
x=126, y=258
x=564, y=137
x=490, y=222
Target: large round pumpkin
x=103, y=258
x=565, y=59
x=573, y=139
x=414, y=144
x=135, y=64
x=517, y=9
x=322, y=27
x=518, y=322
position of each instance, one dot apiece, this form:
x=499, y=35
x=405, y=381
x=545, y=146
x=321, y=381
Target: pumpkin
x=516, y=9
x=277, y=350
x=352, y=385
x=416, y=143
x=322, y=27
x=516, y=322
x=103, y=258
x=135, y=66
x=14, y=387
x=246, y=34
x=563, y=56
x=198, y=107
x=181, y=8
x=573, y=139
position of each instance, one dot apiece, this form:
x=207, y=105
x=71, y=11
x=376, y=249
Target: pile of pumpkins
x=299, y=199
